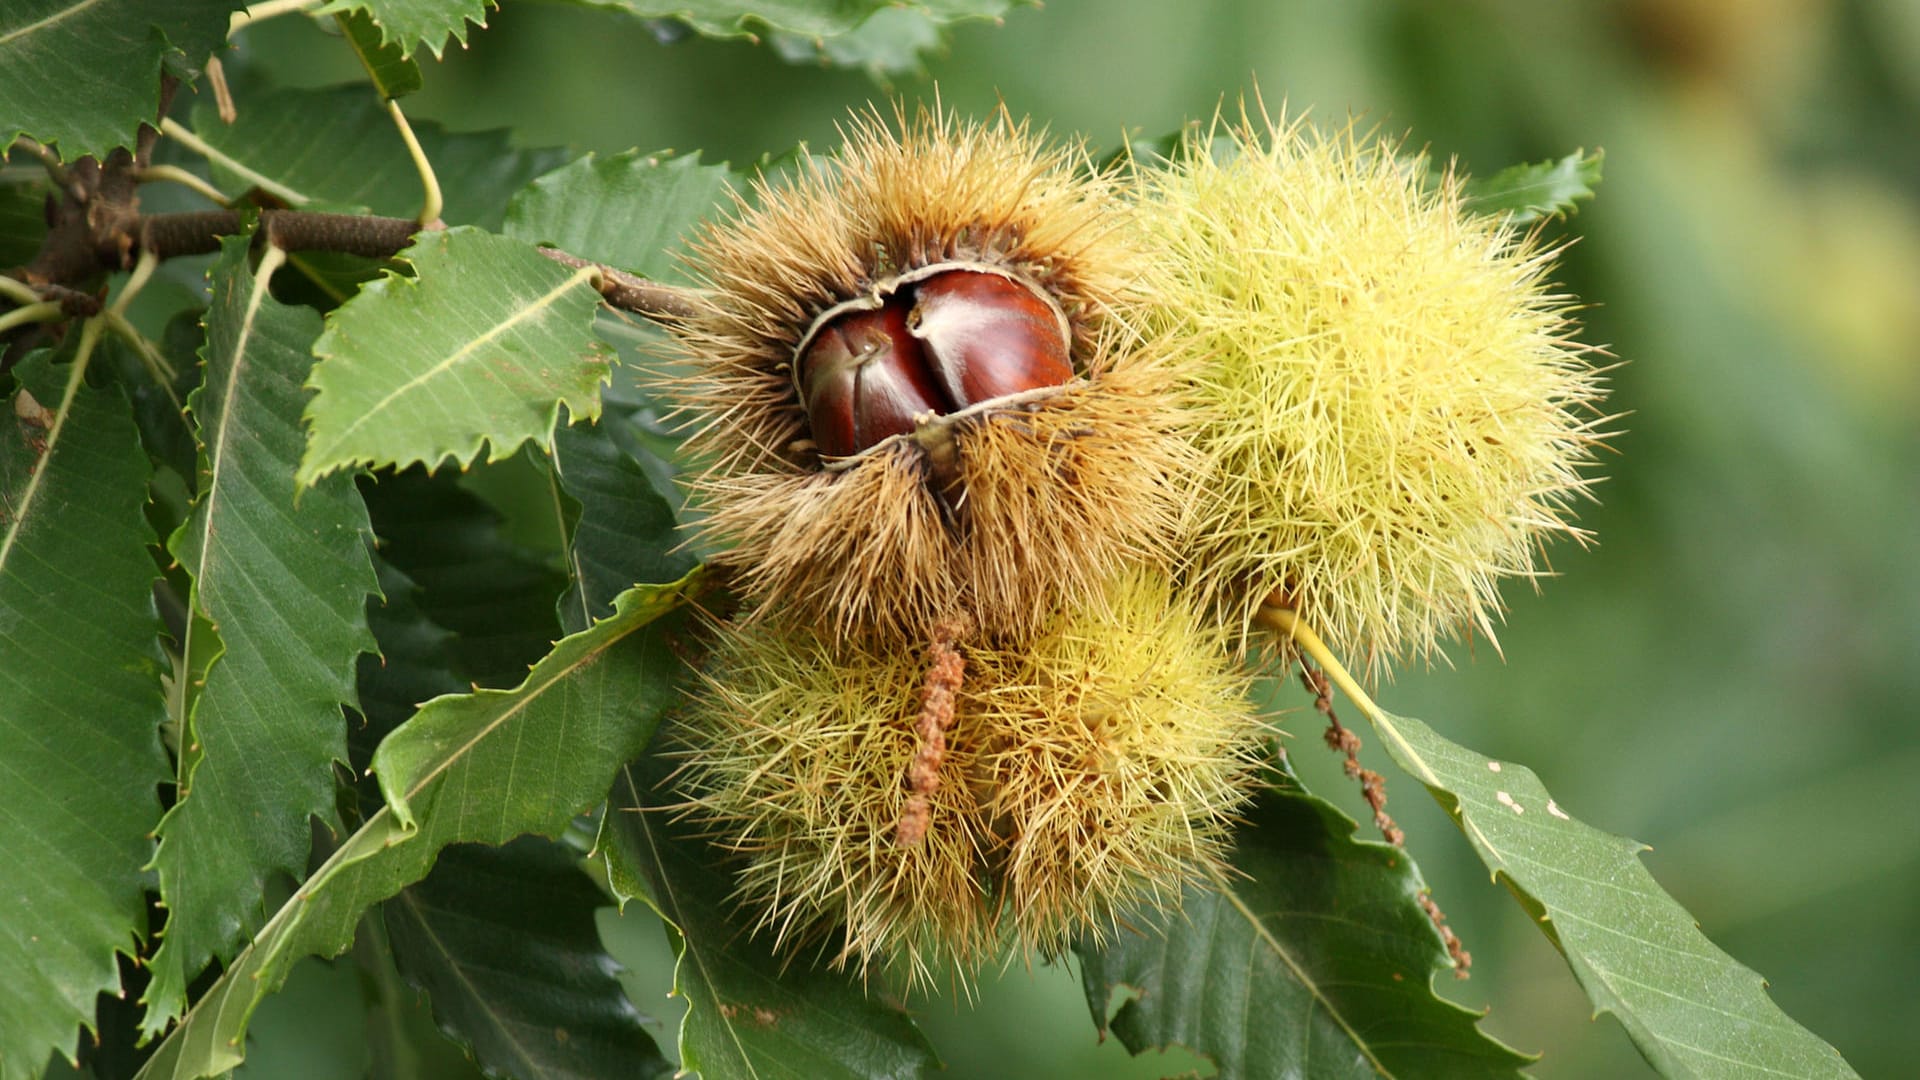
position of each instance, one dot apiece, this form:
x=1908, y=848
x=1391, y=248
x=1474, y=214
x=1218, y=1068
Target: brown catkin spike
x=945, y=675
x=1462, y=959
x=1373, y=788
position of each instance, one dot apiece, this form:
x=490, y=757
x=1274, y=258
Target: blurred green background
x=1733, y=674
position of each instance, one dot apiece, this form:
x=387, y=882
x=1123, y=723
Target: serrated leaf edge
x=316, y=464
x=380, y=831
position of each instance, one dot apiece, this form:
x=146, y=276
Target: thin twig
x=176, y=174
x=430, y=206
x=19, y=291
x=240, y=20
x=48, y=159
x=151, y=357
x=77, y=303
x=198, y=232
x=156, y=363
x=38, y=311
x=1287, y=624
x=657, y=301
x=143, y=269
x=173, y=129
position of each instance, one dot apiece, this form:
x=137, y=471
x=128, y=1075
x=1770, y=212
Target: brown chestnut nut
x=988, y=336
x=935, y=344
x=865, y=378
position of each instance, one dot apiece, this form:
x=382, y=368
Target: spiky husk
x=1060, y=496
x=1114, y=752
x=1060, y=492
x=1396, y=413
x=794, y=755
x=1089, y=772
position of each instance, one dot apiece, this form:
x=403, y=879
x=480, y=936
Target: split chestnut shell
x=934, y=343
x=910, y=394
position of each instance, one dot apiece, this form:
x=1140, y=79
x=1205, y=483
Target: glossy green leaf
x=629, y=210
x=338, y=147
x=1314, y=959
x=1529, y=192
x=481, y=347
x=402, y=1036
x=282, y=582
x=85, y=74
x=750, y=1015
x=409, y=24
x=394, y=75
x=1692, y=1010
x=814, y=18
x=503, y=941
x=482, y=767
x=415, y=665
x=80, y=705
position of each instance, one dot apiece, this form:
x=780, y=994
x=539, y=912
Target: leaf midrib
x=216, y=474
x=466, y=985
x=50, y=20
x=537, y=307
x=1299, y=973
x=687, y=948
x=89, y=334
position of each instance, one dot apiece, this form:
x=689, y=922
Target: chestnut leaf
x=749, y=1013
x=1314, y=958
x=80, y=704
x=624, y=531
x=494, y=594
x=409, y=24
x=392, y=72
x=481, y=347
x=337, y=148
x=85, y=74
x=628, y=210
x=1527, y=193
x=503, y=941
x=1691, y=1009
x=483, y=767
x=279, y=590
x=812, y=18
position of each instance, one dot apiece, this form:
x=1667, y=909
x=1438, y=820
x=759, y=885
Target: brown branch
x=96, y=228
x=82, y=246
x=627, y=292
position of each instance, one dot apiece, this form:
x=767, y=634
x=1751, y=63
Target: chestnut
x=941, y=340
x=988, y=336
x=865, y=379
